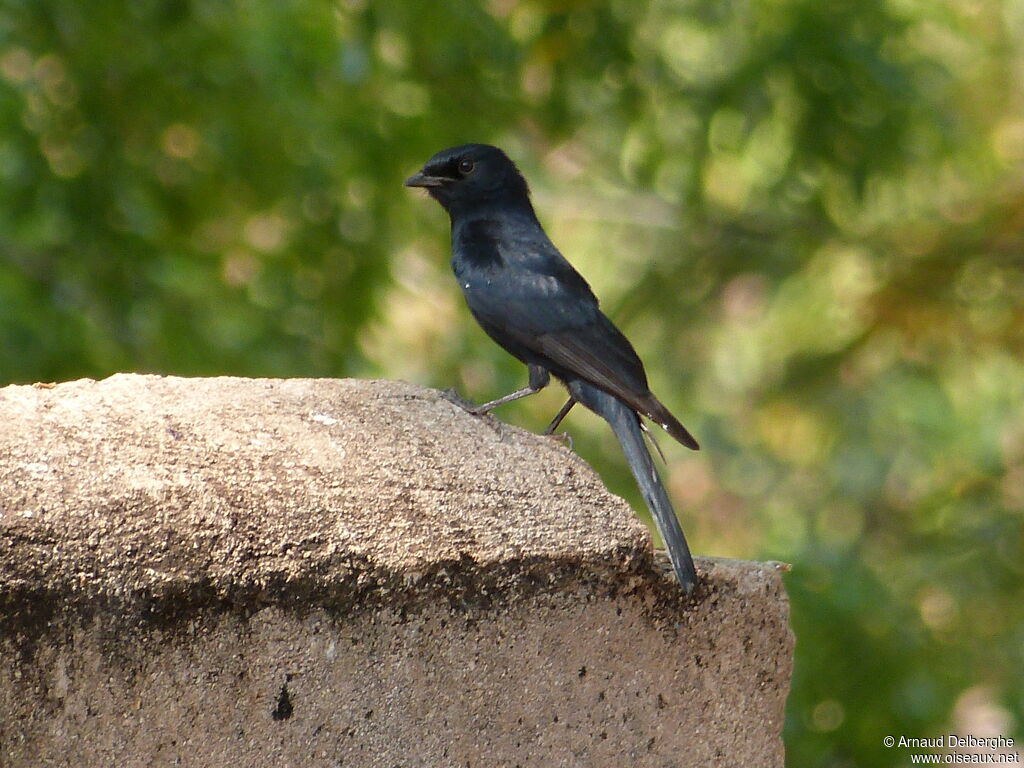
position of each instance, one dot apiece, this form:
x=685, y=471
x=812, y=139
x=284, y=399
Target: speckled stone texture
x=237, y=572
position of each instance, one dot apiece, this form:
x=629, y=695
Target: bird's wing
x=600, y=354
x=536, y=300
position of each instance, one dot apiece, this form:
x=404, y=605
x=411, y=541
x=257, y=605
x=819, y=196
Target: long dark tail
x=626, y=425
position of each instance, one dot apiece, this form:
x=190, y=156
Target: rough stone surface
x=213, y=572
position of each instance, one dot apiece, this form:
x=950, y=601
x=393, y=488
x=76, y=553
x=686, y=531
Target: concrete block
x=237, y=572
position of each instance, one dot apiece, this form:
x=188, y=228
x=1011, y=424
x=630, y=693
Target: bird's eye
x=466, y=166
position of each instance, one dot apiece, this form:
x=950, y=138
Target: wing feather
x=535, y=304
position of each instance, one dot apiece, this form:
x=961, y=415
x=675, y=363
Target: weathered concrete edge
x=34, y=596
x=31, y=611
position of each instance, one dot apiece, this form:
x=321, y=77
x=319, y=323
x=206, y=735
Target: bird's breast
x=476, y=285
x=475, y=245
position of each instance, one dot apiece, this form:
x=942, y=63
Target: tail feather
x=627, y=427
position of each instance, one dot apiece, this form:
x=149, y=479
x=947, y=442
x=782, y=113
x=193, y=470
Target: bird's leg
x=563, y=437
x=539, y=378
x=480, y=410
x=560, y=415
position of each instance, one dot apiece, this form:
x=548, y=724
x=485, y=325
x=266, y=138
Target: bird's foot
x=454, y=398
x=562, y=437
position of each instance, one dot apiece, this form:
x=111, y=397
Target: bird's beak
x=423, y=180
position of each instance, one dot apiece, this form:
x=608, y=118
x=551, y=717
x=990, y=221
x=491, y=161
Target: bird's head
x=472, y=176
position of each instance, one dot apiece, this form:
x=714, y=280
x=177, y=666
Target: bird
x=530, y=300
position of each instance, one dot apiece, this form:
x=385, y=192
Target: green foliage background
x=808, y=215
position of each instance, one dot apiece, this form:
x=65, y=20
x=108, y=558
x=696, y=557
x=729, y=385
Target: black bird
x=530, y=300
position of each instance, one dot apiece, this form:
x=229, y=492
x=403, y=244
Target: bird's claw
x=454, y=398
x=562, y=437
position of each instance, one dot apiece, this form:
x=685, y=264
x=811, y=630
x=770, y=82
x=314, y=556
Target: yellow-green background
x=807, y=214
